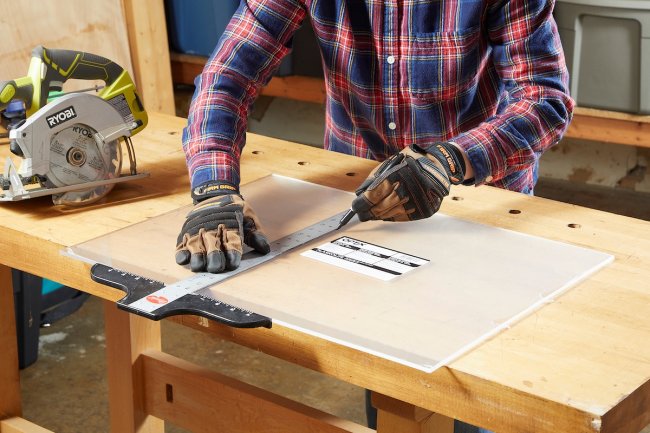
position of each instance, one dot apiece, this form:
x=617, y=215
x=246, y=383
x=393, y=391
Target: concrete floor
x=65, y=391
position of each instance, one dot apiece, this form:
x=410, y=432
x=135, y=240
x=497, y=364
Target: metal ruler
x=155, y=300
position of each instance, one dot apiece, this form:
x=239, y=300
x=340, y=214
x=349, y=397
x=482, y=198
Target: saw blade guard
x=73, y=140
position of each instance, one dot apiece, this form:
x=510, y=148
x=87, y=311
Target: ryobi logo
x=60, y=117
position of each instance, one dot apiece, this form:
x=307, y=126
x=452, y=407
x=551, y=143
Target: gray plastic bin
x=607, y=48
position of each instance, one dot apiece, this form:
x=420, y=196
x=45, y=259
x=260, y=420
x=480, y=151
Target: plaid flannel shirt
x=488, y=75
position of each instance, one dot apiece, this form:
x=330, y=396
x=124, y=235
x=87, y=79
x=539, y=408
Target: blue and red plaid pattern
x=488, y=75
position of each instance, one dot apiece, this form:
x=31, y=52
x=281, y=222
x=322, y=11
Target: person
x=444, y=92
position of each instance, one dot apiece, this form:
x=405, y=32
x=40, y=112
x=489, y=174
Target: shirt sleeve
x=537, y=109
x=258, y=36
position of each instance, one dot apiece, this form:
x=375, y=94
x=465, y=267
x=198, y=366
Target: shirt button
x=392, y=126
x=489, y=179
x=390, y=60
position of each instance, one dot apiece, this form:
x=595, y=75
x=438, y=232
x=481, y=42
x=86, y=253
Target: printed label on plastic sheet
x=365, y=258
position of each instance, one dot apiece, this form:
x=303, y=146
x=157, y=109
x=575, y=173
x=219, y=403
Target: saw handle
x=14, y=89
x=63, y=65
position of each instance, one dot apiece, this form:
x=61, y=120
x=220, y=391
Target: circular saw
x=71, y=146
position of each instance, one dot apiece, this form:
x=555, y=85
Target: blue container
x=50, y=286
x=195, y=26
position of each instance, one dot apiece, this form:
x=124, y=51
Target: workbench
x=580, y=364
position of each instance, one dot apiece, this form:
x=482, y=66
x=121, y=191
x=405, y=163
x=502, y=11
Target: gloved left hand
x=211, y=238
x=410, y=185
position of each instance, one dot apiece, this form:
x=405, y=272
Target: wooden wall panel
x=96, y=26
x=130, y=33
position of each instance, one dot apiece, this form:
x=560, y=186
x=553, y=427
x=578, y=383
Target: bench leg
x=394, y=416
x=10, y=404
x=127, y=336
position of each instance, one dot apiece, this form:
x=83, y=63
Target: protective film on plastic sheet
x=473, y=280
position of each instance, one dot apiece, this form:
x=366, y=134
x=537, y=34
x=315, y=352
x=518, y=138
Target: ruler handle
x=146, y=297
x=134, y=286
x=205, y=307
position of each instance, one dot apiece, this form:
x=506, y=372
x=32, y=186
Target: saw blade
x=76, y=157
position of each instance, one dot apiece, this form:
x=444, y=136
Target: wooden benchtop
x=580, y=364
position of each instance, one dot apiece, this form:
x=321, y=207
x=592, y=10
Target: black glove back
x=211, y=237
x=408, y=186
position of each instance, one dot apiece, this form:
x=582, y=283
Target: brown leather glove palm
x=211, y=238
x=409, y=185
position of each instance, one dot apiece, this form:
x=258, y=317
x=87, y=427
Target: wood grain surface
x=10, y=405
x=95, y=27
x=131, y=33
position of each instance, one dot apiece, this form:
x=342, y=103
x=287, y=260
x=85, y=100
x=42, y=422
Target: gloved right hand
x=211, y=238
x=410, y=185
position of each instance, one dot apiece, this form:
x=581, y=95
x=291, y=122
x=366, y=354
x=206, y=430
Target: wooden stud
x=307, y=89
x=127, y=336
x=186, y=67
x=10, y=405
x=394, y=416
x=204, y=401
x=145, y=22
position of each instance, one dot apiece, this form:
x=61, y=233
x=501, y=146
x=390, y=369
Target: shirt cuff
x=213, y=166
x=482, y=154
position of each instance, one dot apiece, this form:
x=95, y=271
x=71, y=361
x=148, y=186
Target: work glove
x=410, y=185
x=211, y=238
